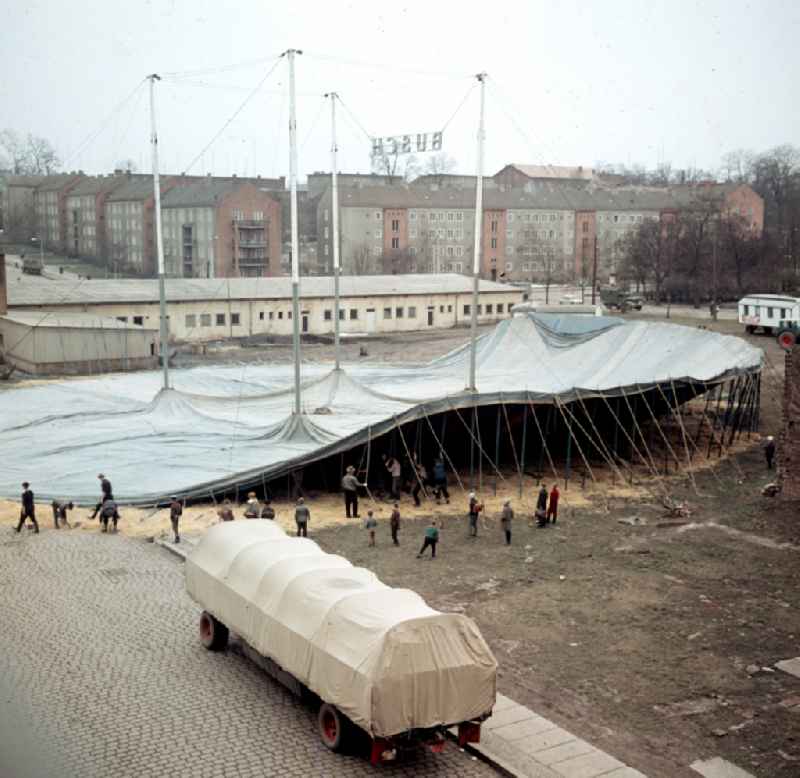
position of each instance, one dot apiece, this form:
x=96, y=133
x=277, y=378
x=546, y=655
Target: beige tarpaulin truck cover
x=380, y=655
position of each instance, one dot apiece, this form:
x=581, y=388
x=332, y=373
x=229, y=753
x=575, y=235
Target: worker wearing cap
x=301, y=517
x=28, y=508
x=769, y=451
x=107, y=494
x=350, y=486
x=175, y=513
x=474, y=509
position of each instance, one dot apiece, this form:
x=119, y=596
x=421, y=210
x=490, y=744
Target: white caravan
x=771, y=312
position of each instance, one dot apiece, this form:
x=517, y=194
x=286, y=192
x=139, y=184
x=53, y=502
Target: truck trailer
x=372, y=657
x=770, y=312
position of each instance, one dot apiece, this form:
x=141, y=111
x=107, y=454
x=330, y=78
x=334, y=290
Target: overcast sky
x=570, y=82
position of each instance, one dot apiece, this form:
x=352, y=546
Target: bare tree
x=648, y=254
x=15, y=154
x=126, y=165
x=439, y=165
x=361, y=260
x=32, y=155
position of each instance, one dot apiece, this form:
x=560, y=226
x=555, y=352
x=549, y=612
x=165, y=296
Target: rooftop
x=30, y=291
x=64, y=320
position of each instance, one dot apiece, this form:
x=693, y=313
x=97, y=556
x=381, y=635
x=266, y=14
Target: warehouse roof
x=29, y=291
x=61, y=320
x=57, y=182
x=24, y=180
x=95, y=184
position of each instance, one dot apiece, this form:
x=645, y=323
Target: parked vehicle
x=769, y=312
x=371, y=657
x=634, y=301
x=32, y=266
x=788, y=334
x=571, y=299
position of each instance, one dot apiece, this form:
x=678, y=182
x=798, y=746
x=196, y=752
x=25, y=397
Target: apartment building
x=19, y=216
x=50, y=208
x=220, y=228
x=86, y=214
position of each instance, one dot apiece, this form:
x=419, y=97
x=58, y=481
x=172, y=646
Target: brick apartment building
x=86, y=214
x=50, y=209
x=221, y=228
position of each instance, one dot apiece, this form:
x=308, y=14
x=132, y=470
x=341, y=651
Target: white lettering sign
x=406, y=144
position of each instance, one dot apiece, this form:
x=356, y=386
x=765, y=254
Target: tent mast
x=295, y=237
x=162, y=294
x=476, y=254
x=335, y=218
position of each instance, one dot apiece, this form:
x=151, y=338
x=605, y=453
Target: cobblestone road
x=100, y=664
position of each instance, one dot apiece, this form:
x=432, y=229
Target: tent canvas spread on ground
x=220, y=427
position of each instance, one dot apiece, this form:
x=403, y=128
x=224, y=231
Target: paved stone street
x=100, y=666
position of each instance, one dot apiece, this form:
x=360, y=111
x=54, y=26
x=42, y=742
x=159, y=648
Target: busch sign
x=407, y=144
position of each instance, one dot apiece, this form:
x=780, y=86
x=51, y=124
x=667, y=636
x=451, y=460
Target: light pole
x=41, y=248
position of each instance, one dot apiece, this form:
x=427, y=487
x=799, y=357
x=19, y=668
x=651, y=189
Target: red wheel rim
x=329, y=728
x=205, y=628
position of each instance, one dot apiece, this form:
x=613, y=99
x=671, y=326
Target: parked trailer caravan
x=374, y=658
x=770, y=312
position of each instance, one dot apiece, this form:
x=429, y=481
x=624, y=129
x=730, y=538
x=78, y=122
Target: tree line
x=709, y=254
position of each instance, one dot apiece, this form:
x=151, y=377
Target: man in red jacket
x=552, y=508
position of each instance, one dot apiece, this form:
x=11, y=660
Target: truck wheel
x=787, y=339
x=331, y=725
x=213, y=633
x=749, y=329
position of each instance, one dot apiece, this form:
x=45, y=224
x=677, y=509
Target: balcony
x=251, y=224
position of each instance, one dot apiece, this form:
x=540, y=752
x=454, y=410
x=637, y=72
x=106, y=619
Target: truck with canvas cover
x=376, y=658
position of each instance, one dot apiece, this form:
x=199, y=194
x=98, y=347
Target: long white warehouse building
x=211, y=309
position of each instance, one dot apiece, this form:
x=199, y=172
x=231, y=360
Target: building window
x=342, y=314
x=412, y=233
x=467, y=310
x=398, y=313
x=325, y=249
x=489, y=307
x=205, y=319
x=238, y=215
x=412, y=251
x=585, y=243
x=494, y=226
x=450, y=251
x=395, y=225
x=378, y=234
x=783, y=313
x=387, y=313
x=138, y=320
x=191, y=320
x=280, y=314
x=510, y=217
x=412, y=215
x=325, y=214
x=449, y=308
x=509, y=265
x=395, y=243
x=412, y=312
x=459, y=251
x=441, y=309
x=235, y=319
x=328, y=315
x=769, y=312
x=288, y=314
x=499, y=307
x=377, y=214
x=616, y=218
x=585, y=226
x=220, y=320
x=258, y=216
x=494, y=243
x=353, y=313
x=271, y=315
x=510, y=234
x=261, y=316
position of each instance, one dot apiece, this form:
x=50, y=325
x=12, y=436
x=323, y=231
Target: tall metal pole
x=476, y=260
x=162, y=295
x=295, y=237
x=335, y=218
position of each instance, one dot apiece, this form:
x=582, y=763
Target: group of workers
x=106, y=507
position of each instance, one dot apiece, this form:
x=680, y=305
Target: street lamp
x=41, y=248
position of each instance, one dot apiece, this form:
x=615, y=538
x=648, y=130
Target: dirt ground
x=653, y=638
